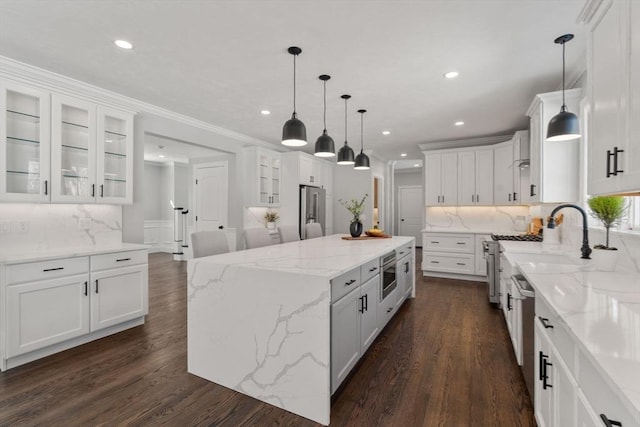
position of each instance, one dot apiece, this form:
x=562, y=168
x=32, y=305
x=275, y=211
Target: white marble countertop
x=470, y=231
x=601, y=310
x=327, y=256
x=46, y=254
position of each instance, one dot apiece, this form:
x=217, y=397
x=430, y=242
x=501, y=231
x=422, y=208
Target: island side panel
x=262, y=333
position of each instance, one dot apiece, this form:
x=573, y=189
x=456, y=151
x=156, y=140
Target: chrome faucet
x=586, y=250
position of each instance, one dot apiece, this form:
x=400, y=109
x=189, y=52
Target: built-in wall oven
x=388, y=268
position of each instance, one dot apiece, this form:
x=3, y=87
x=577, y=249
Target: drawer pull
x=401, y=252
x=545, y=322
x=435, y=262
x=123, y=259
x=389, y=309
x=350, y=282
x=608, y=422
x=53, y=269
x=461, y=243
x=461, y=263
x=433, y=241
x=373, y=269
x=96, y=286
x=86, y=288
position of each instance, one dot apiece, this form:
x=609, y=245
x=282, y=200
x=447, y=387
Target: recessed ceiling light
x=451, y=74
x=403, y=154
x=386, y=132
x=123, y=44
x=161, y=156
x=417, y=165
x=459, y=123
x=265, y=112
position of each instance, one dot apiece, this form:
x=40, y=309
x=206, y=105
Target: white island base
x=259, y=320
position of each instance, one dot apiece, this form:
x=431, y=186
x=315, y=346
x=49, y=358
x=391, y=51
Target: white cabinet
x=310, y=171
x=441, y=174
x=263, y=177
x=369, y=327
x=475, y=177
x=25, y=131
x=63, y=149
x=613, y=65
x=481, y=262
x=405, y=277
x=444, y=254
x=510, y=182
x=554, y=165
x=327, y=178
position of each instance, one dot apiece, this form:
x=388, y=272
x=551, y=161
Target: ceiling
x=163, y=150
x=223, y=61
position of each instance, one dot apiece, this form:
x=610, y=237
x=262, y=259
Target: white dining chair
x=257, y=237
x=313, y=230
x=288, y=233
x=209, y=242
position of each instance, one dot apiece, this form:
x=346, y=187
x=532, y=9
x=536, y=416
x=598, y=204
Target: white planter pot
x=604, y=260
x=271, y=225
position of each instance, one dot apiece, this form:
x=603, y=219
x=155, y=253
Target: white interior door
x=211, y=195
x=410, y=208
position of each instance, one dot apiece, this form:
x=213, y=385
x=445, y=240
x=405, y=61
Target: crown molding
x=462, y=143
x=588, y=11
x=50, y=81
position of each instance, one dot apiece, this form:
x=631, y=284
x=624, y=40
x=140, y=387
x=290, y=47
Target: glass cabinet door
x=73, y=150
x=24, y=143
x=275, y=180
x=115, y=156
x=264, y=169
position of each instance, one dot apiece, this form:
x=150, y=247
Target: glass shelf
x=74, y=176
x=24, y=173
x=24, y=116
x=75, y=148
x=115, y=180
x=14, y=139
x=75, y=125
x=115, y=154
x=115, y=133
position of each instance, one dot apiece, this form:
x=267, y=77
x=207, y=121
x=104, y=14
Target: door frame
x=422, y=213
x=195, y=168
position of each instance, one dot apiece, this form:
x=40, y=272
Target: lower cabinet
x=453, y=255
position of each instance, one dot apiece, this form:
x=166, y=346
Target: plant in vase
x=356, y=208
x=609, y=210
x=270, y=217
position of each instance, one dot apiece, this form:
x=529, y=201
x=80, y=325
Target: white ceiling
x=162, y=150
x=222, y=61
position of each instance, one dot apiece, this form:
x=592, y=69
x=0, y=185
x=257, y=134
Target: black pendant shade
x=345, y=155
x=362, y=160
x=325, y=146
x=563, y=126
x=294, y=134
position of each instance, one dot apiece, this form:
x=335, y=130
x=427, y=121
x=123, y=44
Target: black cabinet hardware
x=434, y=241
x=366, y=302
x=86, y=288
x=406, y=267
x=101, y=190
x=438, y=199
x=509, y=196
x=545, y=377
x=435, y=262
x=477, y=198
x=613, y=154
x=361, y=299
x=46, y=187
x=93, y=190
x=515, y=196
x=123, y=259
x=350, y=282
x=443, y=198
x=509, y=307
x=610, y=423
x=532, y=190
x=221, y=227
x=540, y=373
x=53, y=269
x=389, y=309
x=472, y=198
x=373, y=269
x=460, y=243
x=401, y=252
x=460, y=263
x=545, y=322
x=96, y=286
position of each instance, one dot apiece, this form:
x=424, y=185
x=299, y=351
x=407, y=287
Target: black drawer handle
x=509, y=307
x=373, y=269
x=545, y=377
x=433, y=241
x=123, y=259
x=608, y=422
x=86, y=288
x=96, y=286
x=435, y=262
x=461, y=263
x=545, y=322
x=53, y=269
x=401, y=252
x=389, y=309
x=460, y=243
x=350, y=282
x=93, y=190
x=101, y=190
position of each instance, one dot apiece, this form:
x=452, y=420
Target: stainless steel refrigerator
x=312, y=207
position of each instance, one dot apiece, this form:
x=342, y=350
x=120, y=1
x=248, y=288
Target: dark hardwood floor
x=444, y=360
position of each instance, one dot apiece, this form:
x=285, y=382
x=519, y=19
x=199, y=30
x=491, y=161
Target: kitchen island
x=259, y=321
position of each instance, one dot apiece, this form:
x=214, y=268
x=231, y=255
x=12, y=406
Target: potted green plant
x=270, y=217
x=609, y=210
x=356, y=208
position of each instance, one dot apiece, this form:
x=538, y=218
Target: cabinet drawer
x=345, y=283
x=118, y=259
x=42, y=270
x=557, y=334
x=370, y=269
x=600, y=395
x=404, y=250
x=448, y=263
x=463, y=243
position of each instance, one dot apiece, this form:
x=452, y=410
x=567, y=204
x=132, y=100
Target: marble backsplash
x=55, y=226
x=498, y=219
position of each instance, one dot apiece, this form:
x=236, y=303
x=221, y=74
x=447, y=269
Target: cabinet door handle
x=389, y=309
x=366, y=302
x=350, y=282
x=472, y=198
x=532, y=190
x=609, y=154
x=93, y=190
x=438, y=199
x=545, y=322
x=610, y=423
x=509, y=196
x=101, y=190
x=615, y=161
x=96, y=286
x=540, y=365
x=509, y=301
x=406, y=267
x=515, y=196
x=46, y=187
x=477, y=198
x=545, y=384
x=123, y=259
x=443, y=198
x=361, y=309
x=86, y=288
x=53, y=269
x=373, y=269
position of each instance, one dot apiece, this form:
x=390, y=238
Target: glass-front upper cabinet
x=73, y=151
x=24, y=144
x=115, y=157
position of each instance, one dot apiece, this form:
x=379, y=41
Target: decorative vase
x=271, y=225
x=355, y=228
x=604, y=259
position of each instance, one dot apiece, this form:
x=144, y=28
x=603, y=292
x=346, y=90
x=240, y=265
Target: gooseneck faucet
x=586, y=250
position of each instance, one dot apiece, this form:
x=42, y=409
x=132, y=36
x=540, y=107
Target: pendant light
x=294, y=134
x=324, y=145
x=345, y=155
x=362, y=160
x=564, y=125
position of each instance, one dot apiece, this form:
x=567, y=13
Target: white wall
x=348, y=184
x=151, y=199
x=404, y=177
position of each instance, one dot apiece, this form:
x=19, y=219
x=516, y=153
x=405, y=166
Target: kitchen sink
x=543, y=258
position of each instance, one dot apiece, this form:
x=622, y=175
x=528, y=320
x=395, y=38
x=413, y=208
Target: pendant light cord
x=345, y=120
x=325, y=105
x=294, y=85
x=361, y=132
x=564, y=105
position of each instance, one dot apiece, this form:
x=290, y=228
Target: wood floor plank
x=444, y=360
